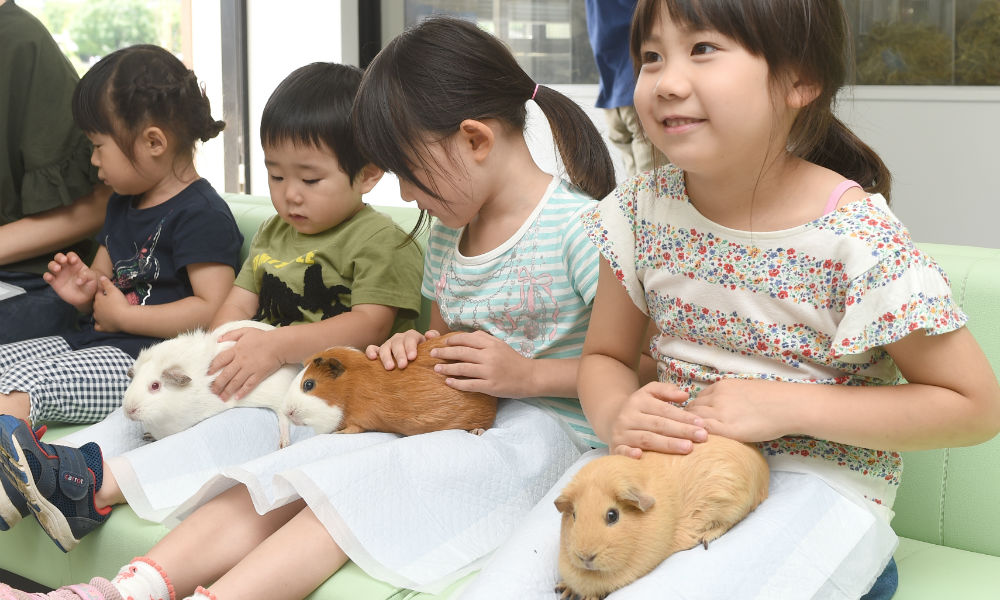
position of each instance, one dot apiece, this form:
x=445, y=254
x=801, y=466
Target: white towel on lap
x=158, y=477
x=418, y=512
x=806, y=541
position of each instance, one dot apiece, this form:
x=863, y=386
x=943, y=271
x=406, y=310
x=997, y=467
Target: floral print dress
x=812, y=304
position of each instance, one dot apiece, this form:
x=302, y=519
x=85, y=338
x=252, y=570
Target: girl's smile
x=679, y=125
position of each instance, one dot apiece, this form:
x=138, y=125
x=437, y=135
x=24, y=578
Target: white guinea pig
x=171, y=390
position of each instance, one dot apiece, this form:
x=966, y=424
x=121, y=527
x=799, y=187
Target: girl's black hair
x=312, y=106
x=444, y=70
x=141, y=86
x=804, y=38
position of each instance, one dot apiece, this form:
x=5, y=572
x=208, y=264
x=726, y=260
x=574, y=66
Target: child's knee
x=17, y=404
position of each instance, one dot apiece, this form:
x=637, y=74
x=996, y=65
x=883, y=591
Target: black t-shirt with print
x=151, y=248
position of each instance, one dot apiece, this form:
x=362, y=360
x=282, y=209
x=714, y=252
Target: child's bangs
x=91, y=106
x=736, y=20
x=385, y=126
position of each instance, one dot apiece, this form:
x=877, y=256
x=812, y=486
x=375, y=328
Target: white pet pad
x=157, y=478
x=805, y=541
x=418, y=512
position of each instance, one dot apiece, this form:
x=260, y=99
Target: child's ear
x=367, y=177
x=154, y=141
x=476, y=137
x=801, y=93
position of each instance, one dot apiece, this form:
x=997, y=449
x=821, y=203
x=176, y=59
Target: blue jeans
x=38, y=313
x=886, y=584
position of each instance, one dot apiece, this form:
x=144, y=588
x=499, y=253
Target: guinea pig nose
x=587, y=559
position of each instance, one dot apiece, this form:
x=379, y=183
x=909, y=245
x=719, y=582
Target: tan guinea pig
x=621, y=517
x=342, y=390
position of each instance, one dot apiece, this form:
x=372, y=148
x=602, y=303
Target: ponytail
x=583, y=150
x=840, y=150
x=444, y=70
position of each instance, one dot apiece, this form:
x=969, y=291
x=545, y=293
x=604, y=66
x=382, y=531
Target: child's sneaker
x=58, y=482
x=13, y=506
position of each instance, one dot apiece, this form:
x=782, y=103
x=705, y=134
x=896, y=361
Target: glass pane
x=548, y=37
x=87, y=30
x=926, y=42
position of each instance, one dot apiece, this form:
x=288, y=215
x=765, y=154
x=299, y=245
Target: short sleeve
x=387, y=271
x=611, y=226
x=207, y=235
x=581, y=256
x=45, y=157
x=439, y=240
x=245, y=277
x=903, y=291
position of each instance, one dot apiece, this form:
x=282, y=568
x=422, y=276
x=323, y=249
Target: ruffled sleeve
x=59, y=183
x=611, y=226
x=902, y=291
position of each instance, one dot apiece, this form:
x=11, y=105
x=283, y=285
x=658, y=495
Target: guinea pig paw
x=477, y=431
x=148, y=437
x=567, y=593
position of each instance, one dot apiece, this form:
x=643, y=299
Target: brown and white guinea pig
x=341, y=390
x=171, y=390
x=621, y=517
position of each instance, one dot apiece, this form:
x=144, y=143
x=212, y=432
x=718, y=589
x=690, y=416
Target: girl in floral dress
x=793, y=309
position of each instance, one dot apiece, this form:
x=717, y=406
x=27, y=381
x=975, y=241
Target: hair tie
x=534, y=92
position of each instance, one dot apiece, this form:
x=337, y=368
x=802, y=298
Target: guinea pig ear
x=564, y=504
x=175, y=376
x=333, y=365
x=130, y=373
x=635, y=497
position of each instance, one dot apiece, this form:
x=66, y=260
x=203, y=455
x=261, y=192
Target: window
x=897, y=42
x=926, y=42
x=87, y=30
x=547, y=37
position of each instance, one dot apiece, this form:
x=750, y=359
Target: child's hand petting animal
x=244, y=364
x=400, y=349
x=621, y=517
x=480, y=362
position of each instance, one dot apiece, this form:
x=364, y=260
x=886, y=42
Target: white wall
x=942, y=145
x=206, y=33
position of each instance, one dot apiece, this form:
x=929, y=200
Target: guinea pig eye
x=155, y=386
x=308, y=385
x=611, y=517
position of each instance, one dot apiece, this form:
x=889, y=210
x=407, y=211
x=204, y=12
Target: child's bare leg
x=291, y=563
x=15, y=403
x=216, y=537
x=109, y=493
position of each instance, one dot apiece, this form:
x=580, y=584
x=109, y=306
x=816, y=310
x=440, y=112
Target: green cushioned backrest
x=951, y=496
x=250, y=212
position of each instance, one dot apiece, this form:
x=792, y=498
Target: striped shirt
x=534, y=291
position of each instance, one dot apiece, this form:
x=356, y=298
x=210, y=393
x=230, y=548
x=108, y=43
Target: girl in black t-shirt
x=169, y=246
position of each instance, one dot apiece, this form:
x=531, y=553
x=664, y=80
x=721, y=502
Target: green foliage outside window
x=904, y=53
x=978, y=60
x=103, y=26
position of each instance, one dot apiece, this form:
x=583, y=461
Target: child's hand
x=110, y=306
x=244, y=365
x=650, y=419
x=71, y=279
x=400, y=349
x=485, y=364
x=745, y=410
